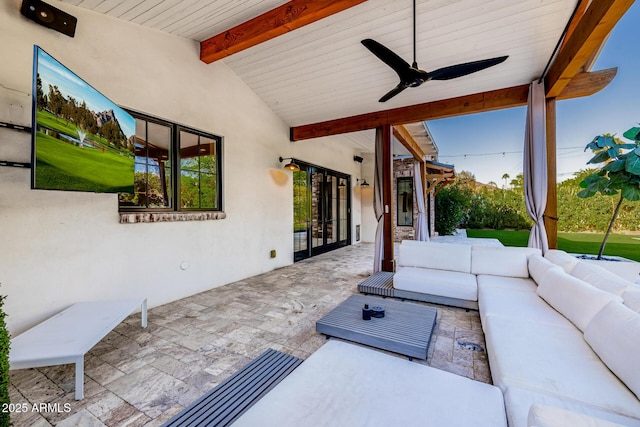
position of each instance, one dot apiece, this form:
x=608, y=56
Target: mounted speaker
x=49, y=16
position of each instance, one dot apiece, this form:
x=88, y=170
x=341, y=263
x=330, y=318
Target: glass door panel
x=301, y=213
x=317, y=209
x=321, y=211
x=343, y=214
x=331, y=218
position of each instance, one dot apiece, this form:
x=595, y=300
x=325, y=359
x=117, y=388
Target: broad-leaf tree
x=619, y=173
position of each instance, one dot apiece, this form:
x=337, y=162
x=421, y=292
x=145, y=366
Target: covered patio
x=137, y=377
x=273, y=81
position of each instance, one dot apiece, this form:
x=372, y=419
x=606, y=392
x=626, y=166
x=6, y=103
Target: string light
x=503, y=153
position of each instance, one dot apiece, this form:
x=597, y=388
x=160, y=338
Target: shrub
x=4, y=366
x=452, y=205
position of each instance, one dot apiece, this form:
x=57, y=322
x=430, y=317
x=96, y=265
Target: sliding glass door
x=322, y=211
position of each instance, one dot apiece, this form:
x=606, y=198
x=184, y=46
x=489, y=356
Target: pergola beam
x=587, y=37
x=586, y=84
x=486, y=101
x=288, y=17
x=408, y=141
x=583, y=84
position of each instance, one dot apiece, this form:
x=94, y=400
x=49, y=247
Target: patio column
x=383, y=200
x=551, y=210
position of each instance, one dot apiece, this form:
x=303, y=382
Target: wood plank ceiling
x=321, y=71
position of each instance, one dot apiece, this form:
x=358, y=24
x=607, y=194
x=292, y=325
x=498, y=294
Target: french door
x=321, y=210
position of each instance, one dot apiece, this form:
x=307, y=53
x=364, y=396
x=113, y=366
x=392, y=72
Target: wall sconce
x=357, y=159
x=292, y=166
x=362, y=182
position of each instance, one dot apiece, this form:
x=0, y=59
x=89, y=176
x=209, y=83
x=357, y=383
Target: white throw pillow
x=600, y=278
x=440, y=256
x=538, y=265
x=576, y=300
x=561, y=258
x=550, y=416
x=613, y=335
x=509, y=262
x=631, y=298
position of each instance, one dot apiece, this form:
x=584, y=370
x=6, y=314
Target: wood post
x=388, y=263
x=551, y=210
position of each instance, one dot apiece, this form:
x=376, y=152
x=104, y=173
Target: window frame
x=399, y=181
x=175, y=196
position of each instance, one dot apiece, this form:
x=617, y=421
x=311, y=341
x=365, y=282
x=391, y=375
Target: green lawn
x=63, y=166
x=624, y=245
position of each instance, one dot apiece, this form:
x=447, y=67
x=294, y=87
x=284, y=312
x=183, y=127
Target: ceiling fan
x=412, y=76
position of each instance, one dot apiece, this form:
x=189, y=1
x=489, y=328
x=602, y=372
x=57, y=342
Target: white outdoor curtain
x=535, y=165
x=422, y=231
x=378, y=206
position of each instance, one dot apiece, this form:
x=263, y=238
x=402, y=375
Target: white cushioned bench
x=67, y=336
x=343, y=384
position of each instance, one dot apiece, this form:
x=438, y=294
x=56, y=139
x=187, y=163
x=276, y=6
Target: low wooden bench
x=381, y=283
x=67, y=336
x=233, y=397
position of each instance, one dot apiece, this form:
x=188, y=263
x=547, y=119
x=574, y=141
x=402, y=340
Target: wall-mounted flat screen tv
x=81, y=141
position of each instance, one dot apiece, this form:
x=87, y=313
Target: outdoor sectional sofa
x=562, y=336
x=446, y=273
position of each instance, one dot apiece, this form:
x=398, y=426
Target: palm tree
x=505, y=177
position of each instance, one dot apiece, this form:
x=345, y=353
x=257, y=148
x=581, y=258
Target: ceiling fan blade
x=460, y=70
x=393, y=92
x=398, y=64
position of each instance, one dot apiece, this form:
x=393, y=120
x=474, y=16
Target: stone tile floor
x=143, y=377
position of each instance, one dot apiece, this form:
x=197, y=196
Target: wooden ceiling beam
x=583, y=84
x=288, y=17
x=587, y=37
x=581, y=8
x=486, y=101
x=409, y=142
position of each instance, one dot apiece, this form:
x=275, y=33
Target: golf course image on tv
x=82, y=141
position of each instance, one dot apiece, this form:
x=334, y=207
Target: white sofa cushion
x=556, y=361
x=574, y=299
x=631, y=297
x=551, y=416
x=600, y=278
x=516, y=304
x=562, y=259
x=613, y=334
x=507, y=283
x=518, y=402
x=629, y=271
x=441, y=256
x=509, y=262
x=343, y=384
x=451, y=284
x=538, y=265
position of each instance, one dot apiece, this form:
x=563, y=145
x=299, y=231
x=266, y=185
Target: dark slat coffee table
x=406, y=328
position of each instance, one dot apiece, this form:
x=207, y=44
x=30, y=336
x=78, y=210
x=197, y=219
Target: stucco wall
x=57, y=248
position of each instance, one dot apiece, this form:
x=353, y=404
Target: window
x=176, y=168
x=405, y=201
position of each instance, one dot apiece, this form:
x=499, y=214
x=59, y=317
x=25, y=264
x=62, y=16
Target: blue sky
x=53, y=73
x=490, y=144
